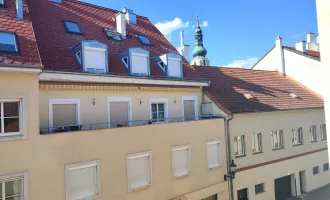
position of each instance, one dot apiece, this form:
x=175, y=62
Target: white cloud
x=167, y=27
x=205, y=24
x=247, y=63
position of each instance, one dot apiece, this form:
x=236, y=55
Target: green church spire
x=199, y=52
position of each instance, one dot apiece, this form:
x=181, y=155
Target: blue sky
x=236, y=32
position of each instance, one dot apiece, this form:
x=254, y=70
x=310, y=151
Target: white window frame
x=278, y=132
x=141, y=55
x=298, y=135
x=254, y=150
x=162, y=67
x=211, y=142
x=139, y=155
x=120, y=99
x=159, y=100
x=263, y=189
x=126, y=64
x=243, y=146
x=78, y=57
x=63, y=101
x=190, y=98
x=105, y=70
x=72, y=167
x=318, y=170
x=24, y=187
x=313, y=135
x=181, y=64
x=21, y=132
x=323, y=132
x=179, y=148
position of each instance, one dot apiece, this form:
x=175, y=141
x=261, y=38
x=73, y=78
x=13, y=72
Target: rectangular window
x=174, y=68
x=158, y=114
x=315, y=170
x=82, y=180
x=181, y=161
x=189, y=108
x=72, y=27
x=260, y=188
x=95, y=60
x=277, y=139
x=139, y=65
x=13, y=187
x=213, y=151
x=8, y=42
x=326, y=167
x=2, y=3
x=139, y=171
x=323, y=129
x=239, y=145
x=313, y=133
x=297, y=136
x=256, y=143
x=10, y=117
x=143, y=39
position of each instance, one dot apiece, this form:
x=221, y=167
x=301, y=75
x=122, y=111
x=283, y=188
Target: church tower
x=199, y=52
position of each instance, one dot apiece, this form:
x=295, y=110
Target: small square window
x=13, y=187
x=260, y=188
x=8, y=42
x=72, y=27
x=10, y=118
x=143, y=39
x=315, y=170
x=82, y=180
x=326, y=167
x=139, y=171
x=181, y=161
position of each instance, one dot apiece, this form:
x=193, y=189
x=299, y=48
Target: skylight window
x=112, y=34
x=8, y=42
x=72, y=27
x=249, y=96
x=295, y=96
x=143, y=39
x=56, y=1
x=2, y=3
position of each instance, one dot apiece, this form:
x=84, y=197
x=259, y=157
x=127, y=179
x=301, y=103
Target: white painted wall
x=323, y=12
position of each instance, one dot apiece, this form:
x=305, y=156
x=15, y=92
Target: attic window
x=249, y=96
x=55, y=1
x=295, y=96
x=143, y=39
x=112, y=34
x=78, y=56
x=72, y=27
x=125, y=61
x=161, y=65
x=2, y=3
x=8, y=42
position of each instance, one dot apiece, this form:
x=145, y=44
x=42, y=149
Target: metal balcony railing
x=107, y=125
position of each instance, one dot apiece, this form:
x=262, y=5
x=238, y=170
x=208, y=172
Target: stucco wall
x=270, y=62
x=98, y=113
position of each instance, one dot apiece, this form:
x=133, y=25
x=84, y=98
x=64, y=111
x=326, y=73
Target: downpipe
x=227, y=135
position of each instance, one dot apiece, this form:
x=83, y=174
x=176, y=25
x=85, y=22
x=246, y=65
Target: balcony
x=121, y=124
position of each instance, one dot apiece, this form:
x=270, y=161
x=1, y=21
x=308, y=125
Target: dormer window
x=112, y=34
x=92, y=56
x=143, y=39
x=72, y=27
x=136, y=60
x=2, y=3
x=171, y=64
x=55, y=1
x=8, y=42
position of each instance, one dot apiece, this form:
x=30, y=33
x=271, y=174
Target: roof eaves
x=303, y=54
x=263, y=57
x=278, y=110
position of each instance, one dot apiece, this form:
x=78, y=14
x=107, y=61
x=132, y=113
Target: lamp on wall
x=231, y=171
x=174, y=100
x=94, y=100
x=140, y=99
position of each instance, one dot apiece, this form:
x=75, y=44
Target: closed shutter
x=83, y=182
x=95, y=59
x=189, y=109
x=64, y=114
x=181, y=161
x=118, y=113
x=213, y=154
x=139, y=171
x=139, y=64
x=174, y=68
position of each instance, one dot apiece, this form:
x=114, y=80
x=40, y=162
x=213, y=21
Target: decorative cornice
x=116, y=87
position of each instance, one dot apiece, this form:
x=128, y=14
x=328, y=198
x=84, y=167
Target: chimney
x=121, y=24
x=312, y=42
x=310, y=37
x=130, y=15
x=280, y=53
x=19, y=9
x=184, y=49
x=301, y=46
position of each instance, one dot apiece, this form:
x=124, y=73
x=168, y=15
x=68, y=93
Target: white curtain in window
x=139, y=64
x=95, y=59
x=138, y=171
x=213, y=154
x=83, y=182
x=174, y=68
x=181, y=161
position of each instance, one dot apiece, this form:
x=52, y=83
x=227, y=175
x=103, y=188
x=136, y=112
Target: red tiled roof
x=28, y=54
x=55, y=43
x=271, y=90
x=308, y=52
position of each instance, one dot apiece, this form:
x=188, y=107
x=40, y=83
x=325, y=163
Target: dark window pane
x=11, y=125
x=11, y=109
x=13, y=187
x=154, y=115
x=161, y=107
x=72, y=27
x=14, y=198
x=0, y=190
x=161, y=116
x=143, y=39
x=154, y=107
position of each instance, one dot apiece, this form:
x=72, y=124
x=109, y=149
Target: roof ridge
x=235, y=68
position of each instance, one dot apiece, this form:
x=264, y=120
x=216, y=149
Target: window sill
x=298, y=144
x=278, y=149
x=313, y=141
x=12, y=137
x=240, y=156
x=214, y=167
x=180, y=177
x=257, y=152
x=260, y=193
x=323, y=139
x=139, y=188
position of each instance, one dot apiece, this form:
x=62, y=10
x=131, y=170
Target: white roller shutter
x=95, y=59
x=181, y=161
x=139, y=64
x=213, y=154
x=139, y=171
x=174, y=68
